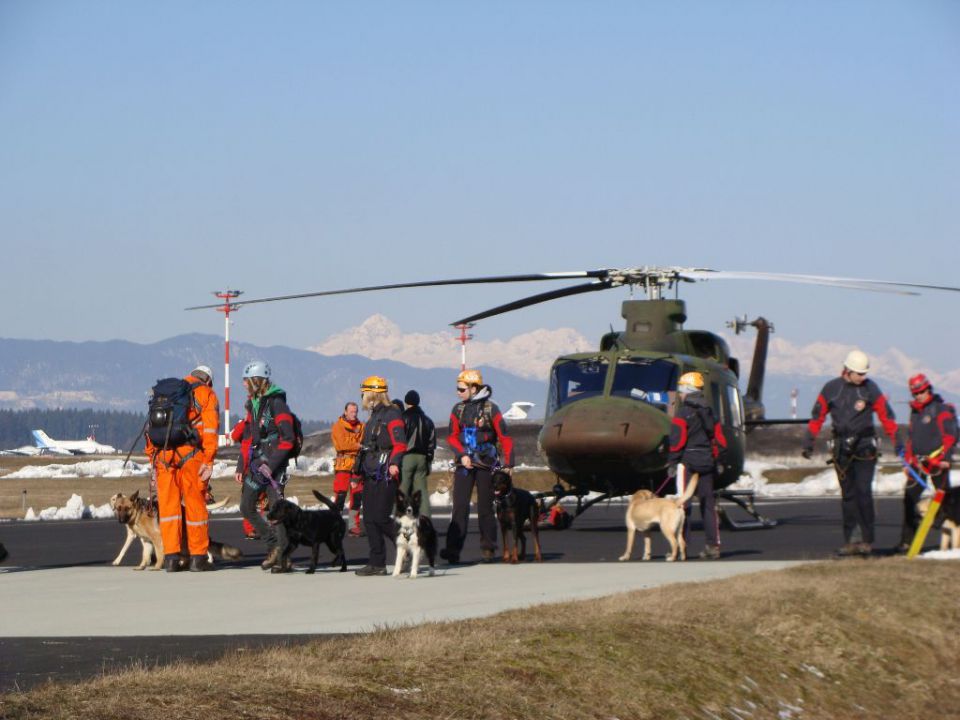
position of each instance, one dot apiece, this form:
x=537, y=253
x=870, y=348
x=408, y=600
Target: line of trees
x=110, y=427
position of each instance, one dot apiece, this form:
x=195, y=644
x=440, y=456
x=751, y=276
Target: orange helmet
x=375, y=384
x=693, y=379
x=470, y=377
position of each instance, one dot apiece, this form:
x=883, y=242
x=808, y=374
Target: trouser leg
x=863, y=471
x=911, y=495
x=708, y=509
x=848, y=500
x=463, y=481
x=169, y=506
x=250, y=512
x=379, y=497
x=194, y=506
x=485, y=515
x=414, y=479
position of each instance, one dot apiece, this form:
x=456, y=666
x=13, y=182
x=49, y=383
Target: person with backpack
x=269, y=438
x=931, y=440
x=381, y=453
x=696, y=439
x=421, y=445
x=346, y=436
x=476, y=427
x=852, y=400
x=182, y=438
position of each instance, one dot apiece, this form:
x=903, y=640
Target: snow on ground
x=941, y=555
x=823, y=484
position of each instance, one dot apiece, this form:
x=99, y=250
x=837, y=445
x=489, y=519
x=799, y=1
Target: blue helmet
x=256, y=369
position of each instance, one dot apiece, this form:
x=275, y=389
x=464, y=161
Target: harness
x=479, y=451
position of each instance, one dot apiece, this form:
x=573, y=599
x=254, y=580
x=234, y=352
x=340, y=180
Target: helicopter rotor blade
x=889, y=286
x=426, y=283
x=535, y=299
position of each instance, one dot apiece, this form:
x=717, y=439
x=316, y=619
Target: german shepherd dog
x=140, y=517
x=949, y=529
x=415, y=535
x=646, y=510
x=515, y=507
x=309, y=527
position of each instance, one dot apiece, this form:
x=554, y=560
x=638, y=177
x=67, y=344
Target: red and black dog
x=515, y=508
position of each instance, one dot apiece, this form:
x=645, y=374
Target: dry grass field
x=864, y=639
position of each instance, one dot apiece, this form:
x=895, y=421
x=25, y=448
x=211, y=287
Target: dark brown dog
x=515, y=508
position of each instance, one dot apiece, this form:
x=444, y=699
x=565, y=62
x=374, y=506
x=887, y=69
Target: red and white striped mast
x=463, y=327
x=226, y=309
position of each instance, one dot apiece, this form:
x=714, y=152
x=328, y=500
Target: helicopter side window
x=736, y=405
x=644, y=379
x=576, y=380
x=721, y=409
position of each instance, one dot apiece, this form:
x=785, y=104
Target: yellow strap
x=925, y=524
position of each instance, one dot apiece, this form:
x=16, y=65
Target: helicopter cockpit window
x=576, y=380
x=645, y=379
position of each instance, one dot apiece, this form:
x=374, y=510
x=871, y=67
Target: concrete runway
x=68, y=614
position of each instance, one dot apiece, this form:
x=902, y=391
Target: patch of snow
x=941, y=555
x=90, y=468
x=823, y=484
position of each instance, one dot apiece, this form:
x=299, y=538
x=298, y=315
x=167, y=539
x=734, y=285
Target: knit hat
x=412, y=398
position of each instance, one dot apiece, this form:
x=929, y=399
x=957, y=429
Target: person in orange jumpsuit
x=347, y=435
x=182, y=476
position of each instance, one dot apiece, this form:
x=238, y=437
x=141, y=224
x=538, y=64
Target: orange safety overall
x=180, y=492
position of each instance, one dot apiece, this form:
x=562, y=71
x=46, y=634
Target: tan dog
x=141, y=521
x=646, y=510
x=949, y=530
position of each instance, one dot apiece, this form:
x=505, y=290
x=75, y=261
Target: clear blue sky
x=153, y=152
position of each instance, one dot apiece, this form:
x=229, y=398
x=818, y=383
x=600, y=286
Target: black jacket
x=851, y=409
x=384, y=441
x=933, y=427
x=480, y=417
x=421, y=432
x=268, y=438
x=693, y=432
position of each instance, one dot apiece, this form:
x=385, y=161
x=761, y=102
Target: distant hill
x=118, y=375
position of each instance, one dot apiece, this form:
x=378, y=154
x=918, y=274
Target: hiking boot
x=864, y=549
x=273, y=557
x=848, y=550
x=355, y=532
x=251, y=536
x=451, y=557
x=487, y=556
x=902, y=549
x=200, y=563
x=171, y=563
x=284, y=566
x=370, y=571
x=710, y=552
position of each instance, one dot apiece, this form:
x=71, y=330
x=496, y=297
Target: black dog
x=309, y=527
x=415, y=535
x=515, y=507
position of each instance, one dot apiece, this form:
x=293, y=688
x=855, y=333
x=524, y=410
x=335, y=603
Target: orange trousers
x=176, y=487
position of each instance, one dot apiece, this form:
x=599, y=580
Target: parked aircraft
x=518, y=411
x=90, y=446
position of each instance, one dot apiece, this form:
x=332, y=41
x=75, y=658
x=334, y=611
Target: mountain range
x=118, y=375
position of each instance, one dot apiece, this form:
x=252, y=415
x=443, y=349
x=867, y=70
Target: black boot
x=199, y=563
x=171, y=563
x=272, y=557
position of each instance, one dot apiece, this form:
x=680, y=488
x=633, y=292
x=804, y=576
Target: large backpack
x=168, y=419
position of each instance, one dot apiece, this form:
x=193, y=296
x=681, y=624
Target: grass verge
x=873, y=638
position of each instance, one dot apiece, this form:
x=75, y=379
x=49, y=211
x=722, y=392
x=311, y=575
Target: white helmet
x=205, y=370
x=255, y=369
x=857, y=362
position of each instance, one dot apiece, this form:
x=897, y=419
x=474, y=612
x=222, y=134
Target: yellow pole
x=925, y=524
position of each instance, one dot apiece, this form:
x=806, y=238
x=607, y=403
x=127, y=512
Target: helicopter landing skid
x=745, y=500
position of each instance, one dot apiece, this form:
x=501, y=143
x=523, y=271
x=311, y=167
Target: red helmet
x=919, y=383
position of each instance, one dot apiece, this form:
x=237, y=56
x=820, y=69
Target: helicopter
x=609, y=411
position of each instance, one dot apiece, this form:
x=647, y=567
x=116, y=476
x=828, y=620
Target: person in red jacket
x=182, y=476
x=931, y=440
x=852, y=400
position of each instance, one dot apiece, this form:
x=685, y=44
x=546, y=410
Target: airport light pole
x=226, y=309
x=463, y=327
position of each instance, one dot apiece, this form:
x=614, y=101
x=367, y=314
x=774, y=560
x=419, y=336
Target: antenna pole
x=463, y=327
x=226, y=309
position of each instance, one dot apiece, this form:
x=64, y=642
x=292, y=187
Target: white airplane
x=46, y=444
x=518, y=411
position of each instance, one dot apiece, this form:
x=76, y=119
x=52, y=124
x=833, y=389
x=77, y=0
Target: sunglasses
x=460, y=389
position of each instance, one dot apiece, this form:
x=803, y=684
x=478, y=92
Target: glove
x=206, y=470
x=672, y=472
x=807, y=452
x=264, y=471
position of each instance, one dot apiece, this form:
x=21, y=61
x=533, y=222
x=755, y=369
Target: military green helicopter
x=609, y=412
